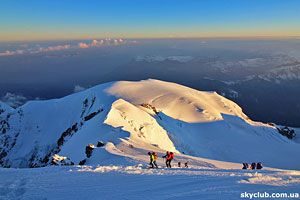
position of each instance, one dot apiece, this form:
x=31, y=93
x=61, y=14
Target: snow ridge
x=132, y=118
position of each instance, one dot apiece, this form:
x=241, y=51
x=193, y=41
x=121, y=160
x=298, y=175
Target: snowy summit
x=114, y=125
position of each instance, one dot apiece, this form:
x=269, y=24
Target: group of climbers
x=253, y=166
x=186, y=165
x=153, y=157
x=169, y=157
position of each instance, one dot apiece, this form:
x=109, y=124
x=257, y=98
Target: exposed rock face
x=60, y=160
x=89, y=150
x=286, y=131
x=100, y=144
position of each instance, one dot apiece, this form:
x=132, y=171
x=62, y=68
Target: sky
x=92, y=19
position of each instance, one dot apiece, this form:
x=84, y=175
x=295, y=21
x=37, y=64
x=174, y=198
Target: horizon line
x=170, y=37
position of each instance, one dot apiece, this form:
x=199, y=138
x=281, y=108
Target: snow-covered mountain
x=132, y=118
x=181, y=59
x=282, y=73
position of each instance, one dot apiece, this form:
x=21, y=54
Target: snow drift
x=132, y=118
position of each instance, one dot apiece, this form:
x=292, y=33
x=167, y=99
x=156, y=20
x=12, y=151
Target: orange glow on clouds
x=10, y=53
x=81, y=45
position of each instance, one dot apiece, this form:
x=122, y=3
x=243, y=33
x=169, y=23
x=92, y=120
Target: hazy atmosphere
x=160, y=99
x=251, y=72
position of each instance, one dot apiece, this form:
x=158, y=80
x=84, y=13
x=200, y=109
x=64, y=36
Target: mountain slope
x=147, y=115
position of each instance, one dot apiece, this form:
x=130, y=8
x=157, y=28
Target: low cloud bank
x=80, y=45
x=78, y=88
x=14, y=100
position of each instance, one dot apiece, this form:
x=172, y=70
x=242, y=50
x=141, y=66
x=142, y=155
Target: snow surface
x=124, y=174
x=206, y=130
x=137, y=182
x=5, y=108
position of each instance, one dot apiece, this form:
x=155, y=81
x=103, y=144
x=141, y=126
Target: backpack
x=171, y=156
x=154, y=156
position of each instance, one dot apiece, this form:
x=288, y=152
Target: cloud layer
x=10, y=53
x=80, y=45
x=13, y=100
x=83, y=45
x=55, y=48
x=78, y=88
